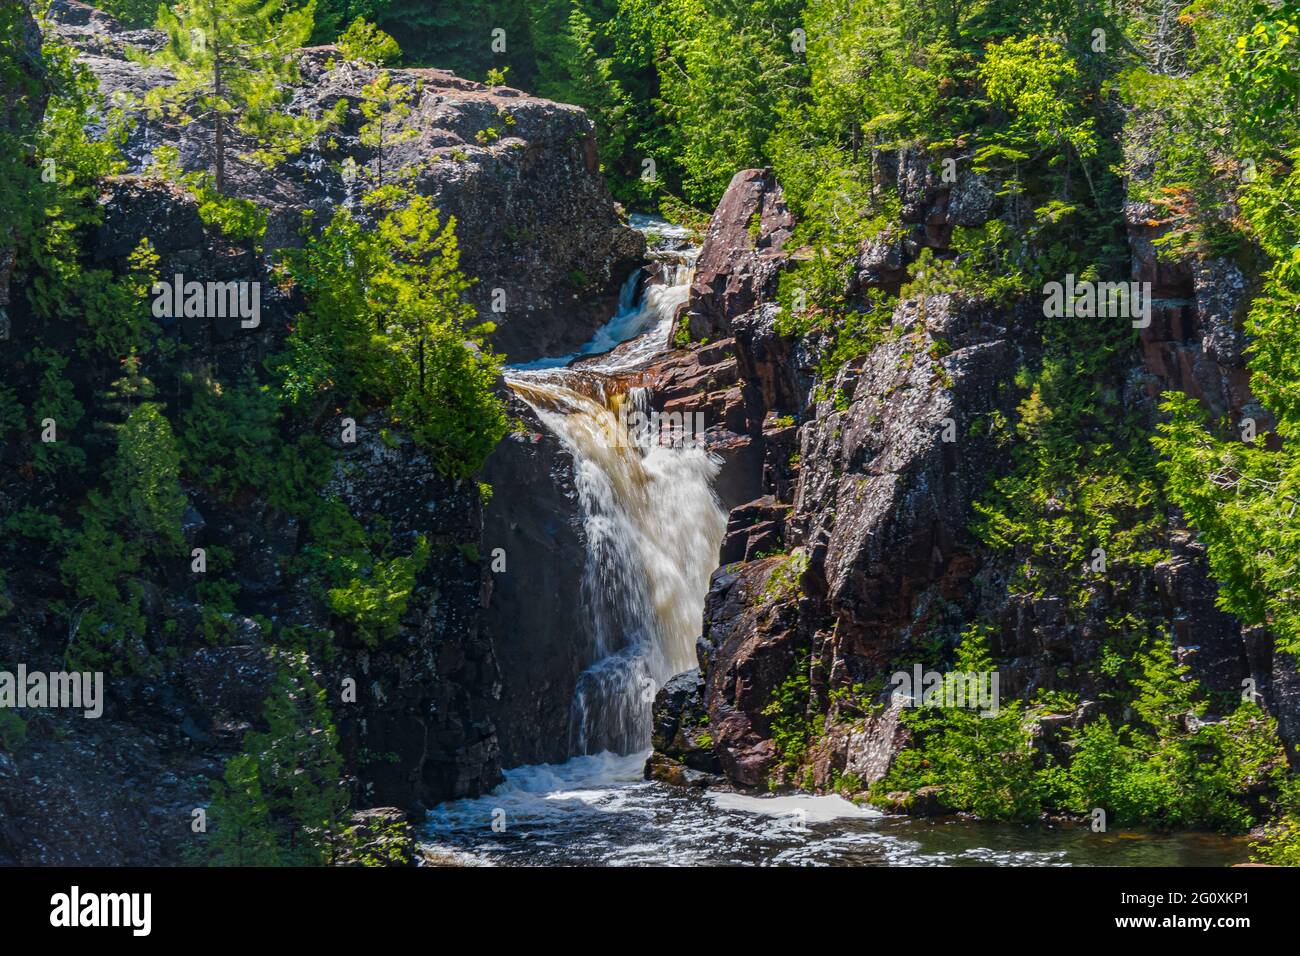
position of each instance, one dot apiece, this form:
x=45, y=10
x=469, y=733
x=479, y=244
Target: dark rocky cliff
x=532, y=212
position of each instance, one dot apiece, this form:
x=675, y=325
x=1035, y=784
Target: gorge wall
x=535, y=220
x=857, y=551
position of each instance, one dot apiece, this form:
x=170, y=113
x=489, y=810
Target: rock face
x=878, y=523
x=742, y=254
x=859, y=547
x=422, y=730
x=534, y=610
x=886, y=486
x=1194, y=343
x=518, y=173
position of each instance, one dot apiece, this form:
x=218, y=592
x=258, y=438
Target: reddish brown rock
x=742, y=255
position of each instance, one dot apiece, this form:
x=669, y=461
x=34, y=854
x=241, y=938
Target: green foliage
x=983, y=764
x=101, y=571
x=570, y=69
x=122, y=531
x=228, y=434
x=794, y=723
x=1171, y=768
x=376, y=603
x=1280, y=844
x=133, y=13
x=1081, y=479
x=12, y=414
x=724, y=70
x=118, y=322
x=456, y=35
x=234, y=218
x=386, y=324
x=13, y=731
x=366, y=42
x=146, y=478
x=1038, y=82
x=241, y=831
x=282, y=802
x=385, y=105
x=1236, y=105
x=108, y=309
x=55, y=402
x=20, y=181
x=1242, y=497
x=1220, y=108
x=233, y=61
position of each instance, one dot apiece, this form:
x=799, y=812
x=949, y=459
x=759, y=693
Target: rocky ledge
x=519, y=174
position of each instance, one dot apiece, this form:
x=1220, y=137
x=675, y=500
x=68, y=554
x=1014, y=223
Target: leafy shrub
x=376, y=602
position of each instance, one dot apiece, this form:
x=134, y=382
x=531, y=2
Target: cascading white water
x=653, y=523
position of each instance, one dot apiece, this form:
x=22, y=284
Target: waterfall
x=652, y=521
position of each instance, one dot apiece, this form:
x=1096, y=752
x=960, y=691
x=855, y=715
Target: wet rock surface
x=533, y=525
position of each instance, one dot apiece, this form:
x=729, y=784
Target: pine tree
x=569, y=69
x=239, y=819
x=233, y=60
x=367, y=43
x=386, y=322
x=299, y=772
x=385, y=105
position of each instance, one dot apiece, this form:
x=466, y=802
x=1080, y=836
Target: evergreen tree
x=724, y=70
x=570, y=70
x=367, y=43
x=233, y=60
x=386, y=322
x=385, y=105
x=460, y=35
x=20, y=187
x=282, y=801
x=239, y=819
